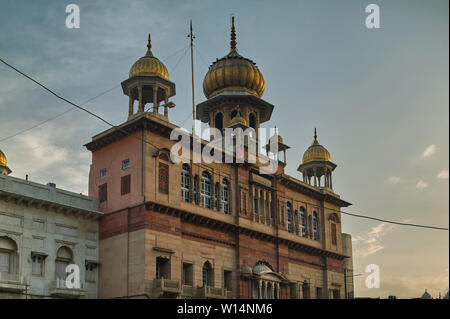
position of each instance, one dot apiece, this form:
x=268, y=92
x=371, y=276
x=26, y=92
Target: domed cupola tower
x=149, y=82
x=4, y=169
x=316, y=163
x=233, y=87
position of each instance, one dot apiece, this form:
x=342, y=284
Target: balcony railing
x=12, y=282
x=59, y=288
x=166, y=286
x=214, y=293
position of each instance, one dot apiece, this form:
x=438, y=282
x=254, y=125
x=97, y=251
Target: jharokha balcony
x=164, y=288
x=169, y=288
x=59, y=289
x=12, y=282
x=214, y=293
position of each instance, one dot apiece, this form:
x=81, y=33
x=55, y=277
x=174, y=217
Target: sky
x=378, y=97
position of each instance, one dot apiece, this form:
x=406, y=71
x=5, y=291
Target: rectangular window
x=103, y=193
x=126, y=164
x=336, y=294
x=188, y=271
x=333, y=234
x=227, y=281
x=37, y=265
x=90, y=272
x=318, y=293
x=125, y=184
x=103, y=173
x=162, y=268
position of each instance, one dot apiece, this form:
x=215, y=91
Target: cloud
x=393, y=180
x=443, y=174
x=405, y=286
x=429, y=151
x=421, y=185
x=371, y=242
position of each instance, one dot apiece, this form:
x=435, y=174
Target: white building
x=42, y=230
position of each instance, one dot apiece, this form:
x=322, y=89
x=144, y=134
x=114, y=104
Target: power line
x=393, y=222
x=127, y=133
x=83, y=103
x=56, y=116
x=75, y=105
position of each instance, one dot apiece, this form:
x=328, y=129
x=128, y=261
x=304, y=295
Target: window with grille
x=217, y=196
x=185, y=183
x=225, y=197
x=125, y=184
x=163, y=178
x=206, y=190
x=196, y=200
x=333, y=234
x=126, y=164
x=315, y=226
x=303, y=221
x=5, y=261
x=289, y=217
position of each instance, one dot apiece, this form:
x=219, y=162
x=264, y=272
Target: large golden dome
x=3, y=161
x=233, y=72
x=316, y=152
x=149, y=65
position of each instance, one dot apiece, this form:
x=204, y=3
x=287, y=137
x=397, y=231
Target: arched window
x=310, y=226
x=185, y=183
x=8, y=253
x=207, y=274
x=289, y=217
x=206, y=190
x=252, y=120
x=217, y=196
x=297, y=227
x=303, y=221
x=252, y=123
x=233, y=113
x=196, y=198
x=315, y=226
x=225, y=197
x=218, y=121
x=64, y=257
x=163, y=174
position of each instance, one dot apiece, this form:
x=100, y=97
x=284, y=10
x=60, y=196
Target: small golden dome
x=280, y=139
x=233, y=72
x=3, y=161
x=149, y=65
x=316, y=152
x=238, y=121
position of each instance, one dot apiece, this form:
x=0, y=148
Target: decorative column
x=131, y=104
x=141, y=102
x=166, y=100
x=259, y=289
x=155, y=99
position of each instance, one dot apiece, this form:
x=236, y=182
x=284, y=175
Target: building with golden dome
x=4, y=169
x=206, y=229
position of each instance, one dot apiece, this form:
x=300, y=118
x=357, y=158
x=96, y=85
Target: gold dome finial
x=149, y=46
x=3, y=161
x=316, y=152
x=233, y=36
x=315, y=137
x=149, y=64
